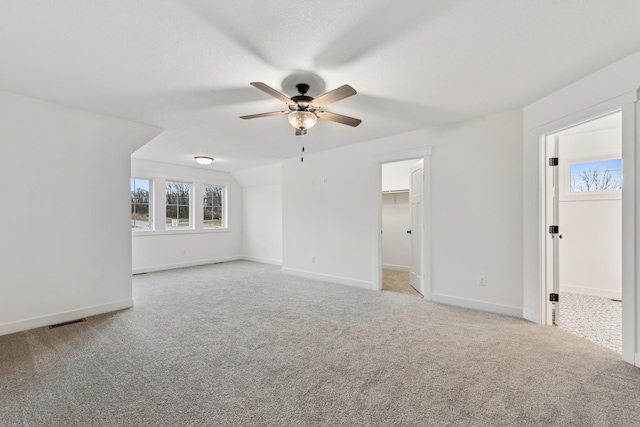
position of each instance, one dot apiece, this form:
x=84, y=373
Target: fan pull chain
x=302, y=154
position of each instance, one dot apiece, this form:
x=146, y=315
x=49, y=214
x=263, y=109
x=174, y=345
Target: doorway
x=402, y=229
x=584, y=223
x=424, y=244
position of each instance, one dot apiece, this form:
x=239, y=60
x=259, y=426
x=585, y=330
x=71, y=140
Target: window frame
x=191, y=224
x=150, y=204
x=565, y=163
x=223, y=208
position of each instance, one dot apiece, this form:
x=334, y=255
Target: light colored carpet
x=241, y=344
x=398, y=281
x=594, y=318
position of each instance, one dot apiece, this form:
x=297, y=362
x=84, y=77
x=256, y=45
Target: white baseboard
x=66, y=316
x=531, y=316
x=395, y=267
x=477, y=305
x=605, y=293
x=163, y=267
x=326, y=278
x=263, y=260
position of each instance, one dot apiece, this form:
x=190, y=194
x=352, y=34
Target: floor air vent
x=57, y=325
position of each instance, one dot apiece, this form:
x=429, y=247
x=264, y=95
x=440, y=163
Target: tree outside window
x=603, y=175
x=213, y=206
x=178, y=205
x=140, y=203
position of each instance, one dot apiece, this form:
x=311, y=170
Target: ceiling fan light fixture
x=204, y=160
x=302, y=119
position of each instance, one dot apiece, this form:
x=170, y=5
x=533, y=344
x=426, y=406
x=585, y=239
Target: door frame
x=628, y=104
x=376, y=186
x=416, y=196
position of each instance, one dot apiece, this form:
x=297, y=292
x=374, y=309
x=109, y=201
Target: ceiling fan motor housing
x=301, y=100
x=303, y=88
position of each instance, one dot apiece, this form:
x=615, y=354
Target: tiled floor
x=595, y=318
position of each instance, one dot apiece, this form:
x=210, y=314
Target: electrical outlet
x=313, y=259
x=482, y=280
x=184, y=252
x=264, y=249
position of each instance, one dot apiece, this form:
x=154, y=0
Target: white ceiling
x=185, y=65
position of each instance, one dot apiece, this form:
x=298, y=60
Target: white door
x=553, y=236
x=416, y=200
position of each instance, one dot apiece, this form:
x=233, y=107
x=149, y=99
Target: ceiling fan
x=304, y=110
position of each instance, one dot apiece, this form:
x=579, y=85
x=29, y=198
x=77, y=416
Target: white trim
x=65, y=316
x=630, y=240
x=585, y=114
x=163, y=267
x=185, y=230
x=402, y=155
x=327, y=278
x=477, y=305
x=395, y=267
x=263, y=260
x=605, y=293
x=530, y=315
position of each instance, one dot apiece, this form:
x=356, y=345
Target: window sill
x=174, y=232
x=591, y=196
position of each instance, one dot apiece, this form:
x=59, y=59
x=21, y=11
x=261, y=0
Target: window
x=178, y=205
x=213, y=206
x=140, y=204
x=601, y=175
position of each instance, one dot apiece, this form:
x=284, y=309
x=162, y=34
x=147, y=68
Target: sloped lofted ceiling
x=185, y=65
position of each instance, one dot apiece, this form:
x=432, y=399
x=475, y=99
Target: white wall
x=396, y=215
x=590, y=224
x=396, y=175
x=476, y=216
x=591, y=249
x=66, y=245
x=262, y=213
x=165, y=249
x=396, y=220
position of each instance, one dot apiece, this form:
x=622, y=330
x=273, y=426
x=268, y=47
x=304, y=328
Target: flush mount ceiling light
x=204, y=160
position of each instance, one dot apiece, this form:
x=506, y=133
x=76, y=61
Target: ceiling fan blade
x=339, y=118
x=272, y=113
x=271, y=91
x=342, y=92
x=301, y=132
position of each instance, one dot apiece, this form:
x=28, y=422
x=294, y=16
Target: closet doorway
x=401, y=234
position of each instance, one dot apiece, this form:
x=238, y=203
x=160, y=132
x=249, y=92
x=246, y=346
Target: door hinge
x=554, y=297
x=553, y=161
x=554, y=229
